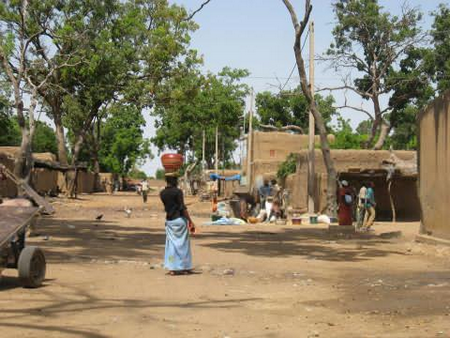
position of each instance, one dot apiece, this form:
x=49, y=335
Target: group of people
x=364, y=208
x=179, y=225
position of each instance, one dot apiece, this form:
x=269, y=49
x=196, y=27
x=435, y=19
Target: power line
x=295, y=64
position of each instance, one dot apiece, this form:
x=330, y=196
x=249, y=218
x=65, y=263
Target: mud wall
x=276, y=146
x=434, y=167
x=7, y=187
x=355, y=166
x=44, y=181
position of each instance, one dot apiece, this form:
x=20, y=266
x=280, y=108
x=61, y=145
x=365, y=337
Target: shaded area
x=312, y=243
x=57, y=305
x=393, y=293
x=75, y=240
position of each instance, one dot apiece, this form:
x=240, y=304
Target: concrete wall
x=434, y=167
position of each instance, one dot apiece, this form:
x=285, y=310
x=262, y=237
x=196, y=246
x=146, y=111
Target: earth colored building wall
x=44, y=180
x=349, y=164
x=270, y=149
x=7, y=187
x=434, y=167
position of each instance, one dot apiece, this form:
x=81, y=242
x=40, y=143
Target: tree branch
x=345, y=87
x=197, y=10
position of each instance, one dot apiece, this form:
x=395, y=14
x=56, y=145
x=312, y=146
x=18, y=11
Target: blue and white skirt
x=178, y=247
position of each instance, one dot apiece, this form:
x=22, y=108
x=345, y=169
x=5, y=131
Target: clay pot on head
x=172, y=162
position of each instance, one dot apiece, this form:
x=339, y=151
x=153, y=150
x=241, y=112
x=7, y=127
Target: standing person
x=144, y=190
x=345, y=198
x=264, y=191
x=178, y=257
x=370, y=204
x=361, y=205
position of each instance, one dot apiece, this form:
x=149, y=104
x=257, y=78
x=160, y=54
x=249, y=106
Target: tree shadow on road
x=76, y=300
x=84, y=240
x=311, y=243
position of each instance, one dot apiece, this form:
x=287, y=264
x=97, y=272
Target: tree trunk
x=73, y=179
x=24, y=160
x=23, y=163
x=62, y=152
x=384, y=131
x=320, y=124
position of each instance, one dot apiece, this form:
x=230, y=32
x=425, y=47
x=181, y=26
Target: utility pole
x=250, y=143
x=216, y=162
x=311, y=143
x=203, y=151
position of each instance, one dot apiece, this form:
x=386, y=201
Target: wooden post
x=216, y=162
x=311, y=129
x=203, y=151
x=250, y=144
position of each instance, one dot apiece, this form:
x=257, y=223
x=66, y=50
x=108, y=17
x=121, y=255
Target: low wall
x=44, y=181
x=434, y=165
x=7, y=187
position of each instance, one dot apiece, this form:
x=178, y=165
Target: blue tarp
x=215, y=177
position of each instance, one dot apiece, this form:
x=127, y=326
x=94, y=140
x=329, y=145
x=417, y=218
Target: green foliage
x=10, y=132
x=345, y=138
x=123, y=144
x=160, y=174
x=405, y=130
x=289, y=166
x=291, y=108
x=137, y=174
x=441, y=47
x=381, y=49
x=44, y=139
x=193, y=104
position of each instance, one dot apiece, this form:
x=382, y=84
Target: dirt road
x=105, y=280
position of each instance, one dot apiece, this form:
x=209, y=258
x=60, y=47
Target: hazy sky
x=257, y=35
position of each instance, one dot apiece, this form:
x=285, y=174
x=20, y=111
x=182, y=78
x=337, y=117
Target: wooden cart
x=28, y=260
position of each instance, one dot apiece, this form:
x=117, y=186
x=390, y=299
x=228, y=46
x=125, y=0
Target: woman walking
x=178, y=257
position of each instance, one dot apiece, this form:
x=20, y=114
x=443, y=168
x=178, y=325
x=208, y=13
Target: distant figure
x=370, y=204
x=178, y=258
x=345, y=198
x=144, y=189
x=276, y=190
x=265, y=191
x=361, y=208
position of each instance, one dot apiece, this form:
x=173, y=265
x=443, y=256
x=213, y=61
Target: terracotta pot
x=172, y=162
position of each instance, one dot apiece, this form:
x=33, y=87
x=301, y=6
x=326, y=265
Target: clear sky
x=258, y=35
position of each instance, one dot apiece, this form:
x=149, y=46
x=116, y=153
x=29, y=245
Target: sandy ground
x=104, y=279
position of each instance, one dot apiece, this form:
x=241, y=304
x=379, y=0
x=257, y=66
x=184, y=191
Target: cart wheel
x=31, y=267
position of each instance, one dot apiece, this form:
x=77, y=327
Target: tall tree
x=299, y=28
x=194, y=103
x=133, y=49
x=440, y=34
x=22, y=66
x=372, y=42
x=123, y=144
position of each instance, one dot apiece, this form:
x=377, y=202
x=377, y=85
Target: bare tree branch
x=345, y=87
x=197, y=10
